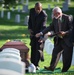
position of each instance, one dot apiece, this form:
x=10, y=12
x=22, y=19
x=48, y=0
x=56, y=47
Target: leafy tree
x=9, y=3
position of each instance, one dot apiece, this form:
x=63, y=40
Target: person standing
x=72, y=35
x=37, y=22
x=62, y=28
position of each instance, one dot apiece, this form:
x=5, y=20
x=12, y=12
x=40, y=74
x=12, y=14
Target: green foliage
x=9, y=2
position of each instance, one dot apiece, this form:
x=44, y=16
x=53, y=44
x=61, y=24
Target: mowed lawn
x=10, y=30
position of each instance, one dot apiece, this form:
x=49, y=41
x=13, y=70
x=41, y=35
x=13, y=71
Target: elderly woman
x=62, y=27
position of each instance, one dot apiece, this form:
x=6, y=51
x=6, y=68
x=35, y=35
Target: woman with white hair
x=62, y=27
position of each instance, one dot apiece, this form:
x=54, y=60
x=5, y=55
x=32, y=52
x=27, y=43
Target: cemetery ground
x=11, y=30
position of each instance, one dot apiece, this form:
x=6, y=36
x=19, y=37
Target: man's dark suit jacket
x=66, y=26
x=37, y=22
x=72, y=35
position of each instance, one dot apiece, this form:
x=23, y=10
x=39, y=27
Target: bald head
x=38, y=4
x=38, y=7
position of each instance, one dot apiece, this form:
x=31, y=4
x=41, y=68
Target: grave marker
x=8, y=15
x=17, y=18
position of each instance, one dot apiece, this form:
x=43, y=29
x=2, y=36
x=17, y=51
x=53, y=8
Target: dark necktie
x=59, y=24
x=59, y=27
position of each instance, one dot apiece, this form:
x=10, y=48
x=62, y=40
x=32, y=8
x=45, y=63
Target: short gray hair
x=57, y=9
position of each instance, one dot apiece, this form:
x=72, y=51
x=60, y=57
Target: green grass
x=9, y=30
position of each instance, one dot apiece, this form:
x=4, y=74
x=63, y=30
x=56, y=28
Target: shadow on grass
x=57, y=71
x=14, y=34
x=11, y=21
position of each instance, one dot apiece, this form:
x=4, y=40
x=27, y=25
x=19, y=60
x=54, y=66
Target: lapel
x=35, y=17
x=38, y=18
x=62, y=22
x=56, y=25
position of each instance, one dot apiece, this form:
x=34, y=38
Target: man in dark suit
x=37, y=22
x=72, y=35
x=62, y=27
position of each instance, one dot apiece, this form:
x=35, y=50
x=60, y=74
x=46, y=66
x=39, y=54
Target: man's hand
x=62, y=33
x=38, y=35
x=31, y=32
x=47, y=35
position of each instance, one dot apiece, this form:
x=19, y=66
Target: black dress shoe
x=48, y=68
x=64, y=71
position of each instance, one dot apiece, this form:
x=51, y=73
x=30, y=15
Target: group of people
x=62, y=30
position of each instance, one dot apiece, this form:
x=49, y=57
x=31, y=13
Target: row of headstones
x=25, y=7
x=17, y=17
x=27, y=1
x=65, y=6
x=67, y=1
x=56, y=0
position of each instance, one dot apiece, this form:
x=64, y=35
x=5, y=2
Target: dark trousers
x=62, y=48
x=35, y=47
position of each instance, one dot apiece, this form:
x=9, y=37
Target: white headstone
x=65, y=7
x=27, y=2
x=73, y=57
x=2, y=13
x=3, y=5
x=52, y=0
x=25, y=8
x=12, y=8
x=18, y=9
x=26, y=20
x=22, y=1
x=48, y=46
x=8, y=15
x=49, y=7
x=17, y=18
x=67, y=1
x=57, y=1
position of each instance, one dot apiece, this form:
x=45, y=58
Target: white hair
x=57, y=9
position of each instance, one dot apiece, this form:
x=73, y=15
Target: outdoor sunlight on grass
x=10, y=30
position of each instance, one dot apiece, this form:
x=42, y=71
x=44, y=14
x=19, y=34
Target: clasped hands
x=62, y=33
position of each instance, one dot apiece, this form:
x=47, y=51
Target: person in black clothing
x=37, y=22
x=72, y=35
x=62, y=27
